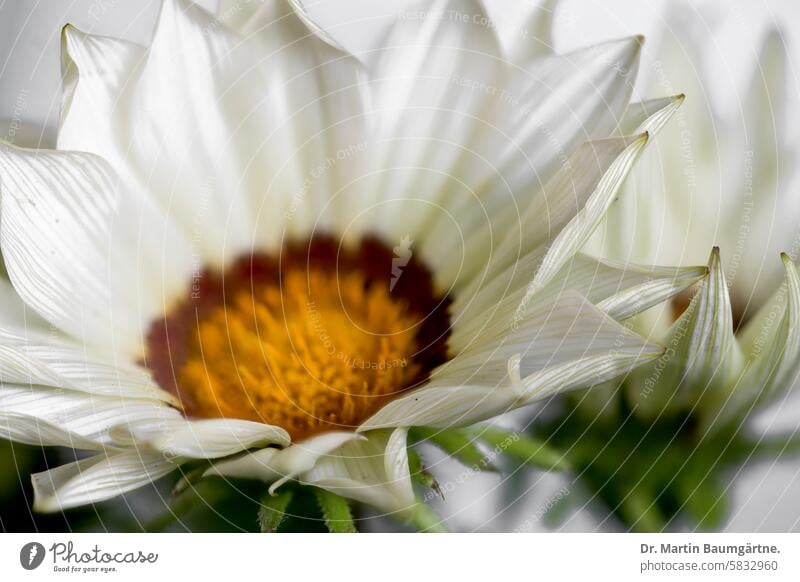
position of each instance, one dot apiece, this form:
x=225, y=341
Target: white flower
x=723, y=180
x=162, y=257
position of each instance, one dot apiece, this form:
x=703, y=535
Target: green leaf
x=205, y=492
x=530, y=451
x=273, y=510
x=335, y=512
x=457, y=443
x=189, y=477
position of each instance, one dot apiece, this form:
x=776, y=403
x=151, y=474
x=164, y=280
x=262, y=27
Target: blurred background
x=766, y=496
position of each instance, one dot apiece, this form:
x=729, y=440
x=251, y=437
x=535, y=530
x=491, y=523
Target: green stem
x=457, y=443
x=425, y=520
x=529, y=450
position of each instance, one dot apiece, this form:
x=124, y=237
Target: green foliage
x=189, y=497
x=524, y=448
x=335, y=511
x=425, y=520
x=661, y=475
x=460, y=444
x=273, y=510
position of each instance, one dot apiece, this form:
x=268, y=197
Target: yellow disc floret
x=315, y=352
x=314, y=338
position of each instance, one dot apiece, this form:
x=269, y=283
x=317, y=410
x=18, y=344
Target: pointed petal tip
x=629, y=47
x=633, y=43
x=71, y=33
x=677, y=99
x=652, y=351
x=790, y=269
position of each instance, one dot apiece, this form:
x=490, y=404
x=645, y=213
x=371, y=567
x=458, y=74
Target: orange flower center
x=316, y=339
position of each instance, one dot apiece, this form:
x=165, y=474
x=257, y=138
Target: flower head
x=722, y=181
x=716, y=183
x=255, y=250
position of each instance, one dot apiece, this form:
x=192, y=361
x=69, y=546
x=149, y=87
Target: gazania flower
x=731, y=343
x=254, y=250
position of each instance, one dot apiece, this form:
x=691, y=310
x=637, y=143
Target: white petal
x=707, y=326
x=373, y=470
x=212, y=178
x=575, y=234
x=303, y=137
x=258, y=464
x=371, y=467
x=48, y=360
x=91, y=417
x=620, y=290
x=767, y=182
x=16, y=317
x=547, y=349
x=520, y=150
x=238, y=15
x=30, y=430
x=587, y=91
x=207, y=438
x=305, y=17
x=534, y=39
x=771, y=344
x=585, y=372
x=96, y=479
x=563, y=214
x=764, y=108
x=572, y=203
x=623, y=289
x=434, y=80
x=277, y=466
x=650, y=115
x=316, y=100
x=94, y=258
x=674, y=206
x=445, y=406
x=542, y=334
x=95, y=71
x=702, y=355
